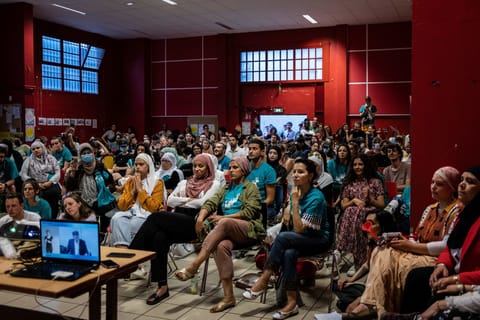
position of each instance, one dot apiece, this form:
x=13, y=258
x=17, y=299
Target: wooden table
x=90, y=283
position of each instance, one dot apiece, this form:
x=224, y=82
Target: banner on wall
x=10, y=120
x=29, y=124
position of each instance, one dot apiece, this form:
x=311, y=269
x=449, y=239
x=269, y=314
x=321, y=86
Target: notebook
x=71, y=247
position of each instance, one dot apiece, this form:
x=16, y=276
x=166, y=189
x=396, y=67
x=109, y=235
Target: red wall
x=188, y=80
x=444, y=116
x=379, y=63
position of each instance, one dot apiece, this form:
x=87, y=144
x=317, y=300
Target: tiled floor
x=181, y=304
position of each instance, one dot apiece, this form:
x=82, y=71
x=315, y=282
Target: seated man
x=398, y=171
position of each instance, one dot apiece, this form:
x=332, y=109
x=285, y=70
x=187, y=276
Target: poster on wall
x=10, y=120
x=94, y=123
x=29, y=124
x=50, y=121
x=80, y=122
x=42, y=121
x=66, y=122
x=88, y=122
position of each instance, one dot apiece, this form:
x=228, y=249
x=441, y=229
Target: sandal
x=252, y=295
x=369, y=312
x=184, y=275
x=222, y=305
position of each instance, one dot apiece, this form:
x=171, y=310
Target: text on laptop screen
x=69, y=240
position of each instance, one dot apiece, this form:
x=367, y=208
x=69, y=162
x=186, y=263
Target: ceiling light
x=130, y=3
x=173, y=3
x=310, y=19
x=67, y=8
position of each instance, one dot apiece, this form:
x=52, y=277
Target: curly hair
x=369, y=170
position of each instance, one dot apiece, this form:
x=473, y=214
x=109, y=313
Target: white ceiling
x=155, y=19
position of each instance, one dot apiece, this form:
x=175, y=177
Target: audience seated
x=75, y=208
x=391, y=264
x=143, y=195
x=33, y=202
x=362, y=192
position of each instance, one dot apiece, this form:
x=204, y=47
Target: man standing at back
x=262, y=174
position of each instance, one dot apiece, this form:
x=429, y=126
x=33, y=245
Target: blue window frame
x=281, y=65
x=70, y=66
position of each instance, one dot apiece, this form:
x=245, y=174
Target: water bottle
x=194, y=284
x=392, y=206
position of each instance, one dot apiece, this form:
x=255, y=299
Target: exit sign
x=277, y=110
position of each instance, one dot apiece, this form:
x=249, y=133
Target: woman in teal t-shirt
x=306, y=218
x=235, y=213
x=33, y=202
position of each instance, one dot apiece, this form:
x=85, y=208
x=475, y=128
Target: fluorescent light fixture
x=67, y=8
x=310, y=19
x=173, y=3
x=130, y=3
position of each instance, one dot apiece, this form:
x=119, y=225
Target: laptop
x=70, y=250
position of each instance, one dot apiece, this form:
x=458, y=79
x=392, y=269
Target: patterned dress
x=351, y=238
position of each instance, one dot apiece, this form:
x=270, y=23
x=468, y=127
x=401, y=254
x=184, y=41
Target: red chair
x=391, y=189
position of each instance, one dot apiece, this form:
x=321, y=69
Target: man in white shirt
x=14, y=207
x=233, y=150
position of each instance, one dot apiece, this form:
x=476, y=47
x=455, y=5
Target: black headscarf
x=466, y=218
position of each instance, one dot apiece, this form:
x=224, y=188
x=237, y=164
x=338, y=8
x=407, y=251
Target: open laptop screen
x=70, y=240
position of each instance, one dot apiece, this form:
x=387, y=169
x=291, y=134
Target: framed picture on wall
x=80, y=122
x=42, y=121
x=66, y=122
x=88, y=122
x=50, y=121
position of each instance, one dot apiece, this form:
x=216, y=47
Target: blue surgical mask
x=87, y=158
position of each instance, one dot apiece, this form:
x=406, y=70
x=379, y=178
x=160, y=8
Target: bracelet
x=461, y=288
x=441, y=265
x=455, y=278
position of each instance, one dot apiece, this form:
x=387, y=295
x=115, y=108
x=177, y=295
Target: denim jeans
x=287, y=248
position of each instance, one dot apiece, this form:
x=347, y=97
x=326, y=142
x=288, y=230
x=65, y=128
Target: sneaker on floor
x=351, y=271
x=337, y=256
x=139, y=274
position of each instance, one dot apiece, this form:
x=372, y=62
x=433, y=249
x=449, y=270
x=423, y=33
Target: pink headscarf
x=196, y=186
x=243, y=163
x=450, y=175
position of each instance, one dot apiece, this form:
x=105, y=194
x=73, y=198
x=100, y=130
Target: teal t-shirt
x=231, y=204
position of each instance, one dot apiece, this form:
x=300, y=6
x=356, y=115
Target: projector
x=21, y=230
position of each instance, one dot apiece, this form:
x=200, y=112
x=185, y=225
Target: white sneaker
x=351, y=271
x=139, y=274
x=337, y=256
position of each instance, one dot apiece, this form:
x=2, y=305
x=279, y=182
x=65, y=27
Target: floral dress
x=350, y=235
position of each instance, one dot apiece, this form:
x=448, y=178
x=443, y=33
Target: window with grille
x=281, y=65
x=70, y=66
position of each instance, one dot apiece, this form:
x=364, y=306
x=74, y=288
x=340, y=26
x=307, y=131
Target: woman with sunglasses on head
x=306, y=218
x=75, y=208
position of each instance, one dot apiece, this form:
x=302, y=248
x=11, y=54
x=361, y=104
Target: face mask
x=87, y=158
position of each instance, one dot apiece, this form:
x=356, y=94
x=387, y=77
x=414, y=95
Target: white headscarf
x=150, y=181
x=170, y=157
x=324, y=179
x=148, y=184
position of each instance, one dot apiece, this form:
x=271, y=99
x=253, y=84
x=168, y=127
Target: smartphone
x=120, y=255
x=109, y=264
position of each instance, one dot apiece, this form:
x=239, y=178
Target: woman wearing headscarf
x=457, y=267
x=44, y=168
x=169, y=172
x=389, y=265
x=143, y=194
x=93, y=180
x=162, y=230
x=234, y=218
x=325, y=180
x=274, y=155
